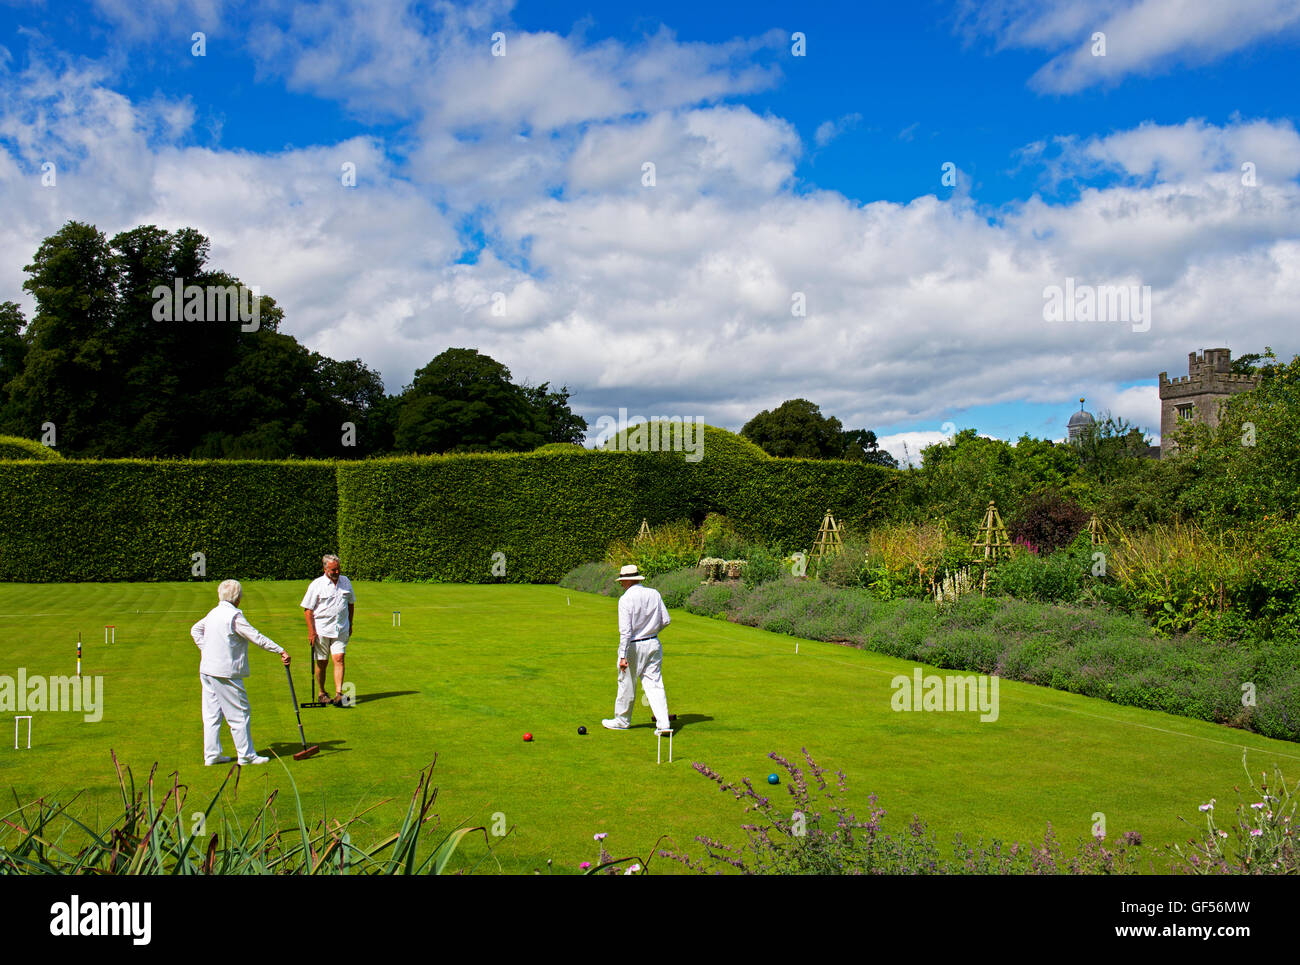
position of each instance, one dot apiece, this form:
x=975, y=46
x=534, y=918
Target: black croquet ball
x=582, y=730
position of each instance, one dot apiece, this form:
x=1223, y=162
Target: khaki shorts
x=327, y=645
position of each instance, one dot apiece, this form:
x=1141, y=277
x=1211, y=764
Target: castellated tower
x=1197, y=395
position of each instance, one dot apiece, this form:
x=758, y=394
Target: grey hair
x=330, y=558
x=230, y=591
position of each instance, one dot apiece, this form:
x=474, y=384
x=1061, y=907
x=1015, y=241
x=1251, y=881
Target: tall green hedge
x=15, y=447
x=410, y=518
x=443, y=517
x=101, y=520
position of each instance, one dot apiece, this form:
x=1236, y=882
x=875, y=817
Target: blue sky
x=776, y=176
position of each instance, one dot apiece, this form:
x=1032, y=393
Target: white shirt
x=641, y=615
x=223, y=637
x=329, y=602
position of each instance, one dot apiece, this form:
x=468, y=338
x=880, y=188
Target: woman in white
x=223, y=637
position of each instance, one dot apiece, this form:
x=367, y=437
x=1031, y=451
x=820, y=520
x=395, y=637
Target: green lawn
x=474, y=667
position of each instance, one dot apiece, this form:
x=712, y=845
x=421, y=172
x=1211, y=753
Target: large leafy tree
x=13, y=352
x=463, y=401
x=796, y=429
x=118, y=381
x=69, y=371
x=861, y=445
x=959, y=476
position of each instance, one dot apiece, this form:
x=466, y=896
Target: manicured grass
x=474, y=667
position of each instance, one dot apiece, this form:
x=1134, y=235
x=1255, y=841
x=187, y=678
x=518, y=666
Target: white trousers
x=224, y=698
x=644, y=660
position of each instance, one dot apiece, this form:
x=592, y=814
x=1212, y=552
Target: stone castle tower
x=1198, y=394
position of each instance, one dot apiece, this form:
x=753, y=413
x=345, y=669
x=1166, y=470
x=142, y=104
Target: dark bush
x=1049, y=521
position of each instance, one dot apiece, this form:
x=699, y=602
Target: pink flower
x=1256, y=832
x=585, y=865
x=599, y=837
x=633, y=869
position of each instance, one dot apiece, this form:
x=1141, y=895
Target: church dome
x=1079, y=423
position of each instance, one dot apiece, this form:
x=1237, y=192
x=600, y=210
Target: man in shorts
x=328, y=606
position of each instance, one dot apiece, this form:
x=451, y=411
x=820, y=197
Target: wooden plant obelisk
x=992, y=541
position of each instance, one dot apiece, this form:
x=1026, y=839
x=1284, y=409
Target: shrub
x=668, y=547
x=592, y=578
x=676, y=586
x=762, y=565
x=848, y=568
x=1056, y=578
x=1177, y=576
x=1048, y=520
x=904, y=559
x=719, y=539
x=713, y=599
x=13, y=447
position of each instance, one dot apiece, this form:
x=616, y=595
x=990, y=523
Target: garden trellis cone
x=1094, y=530
x=645, y=529
x=992, y=539
x=828, y=542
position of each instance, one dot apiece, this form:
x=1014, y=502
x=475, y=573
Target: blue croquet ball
x=582, y=730
x=773, y=779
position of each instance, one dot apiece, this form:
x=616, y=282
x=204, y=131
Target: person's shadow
x=680, y=723
x=285, y=751
x=367, y=698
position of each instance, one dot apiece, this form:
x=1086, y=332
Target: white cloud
x=678, y=299
x=1142, y=36
x=828, y=131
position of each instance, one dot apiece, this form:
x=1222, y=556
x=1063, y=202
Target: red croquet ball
x=528, y=737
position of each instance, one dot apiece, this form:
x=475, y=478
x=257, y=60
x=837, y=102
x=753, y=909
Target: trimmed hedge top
x=14, y=447
x=477, y=517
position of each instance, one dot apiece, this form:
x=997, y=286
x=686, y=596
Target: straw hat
x=629, y=572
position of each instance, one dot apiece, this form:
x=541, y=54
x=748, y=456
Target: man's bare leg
x=338, y=676
x=320, y=677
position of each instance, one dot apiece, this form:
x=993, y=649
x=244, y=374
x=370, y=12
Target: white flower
x=632, y=870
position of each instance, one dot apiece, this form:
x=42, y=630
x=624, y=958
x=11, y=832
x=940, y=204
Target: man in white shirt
x=641, y=615
x=328, y=605
x=223, y=637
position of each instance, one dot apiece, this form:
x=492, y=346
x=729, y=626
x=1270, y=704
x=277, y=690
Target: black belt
x=643, y=639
